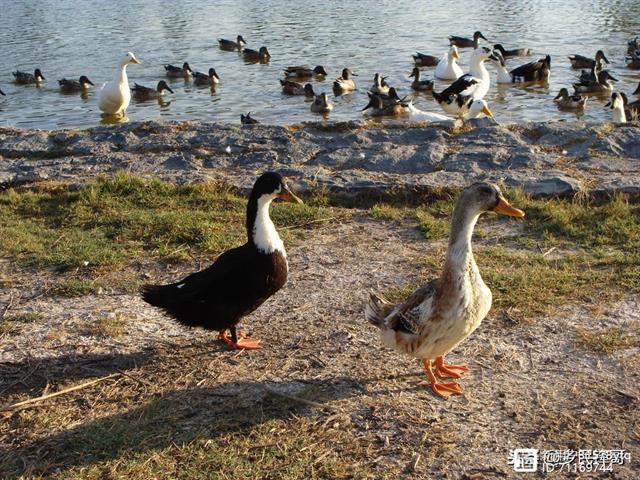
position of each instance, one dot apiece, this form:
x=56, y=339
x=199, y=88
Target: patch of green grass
x=112, y=221
x=10, y=324
x=384, y=211
x=74, y=288
x=607, y=341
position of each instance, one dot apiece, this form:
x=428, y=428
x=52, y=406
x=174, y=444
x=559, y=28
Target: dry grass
x=608, y=341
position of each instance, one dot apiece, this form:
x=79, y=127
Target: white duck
x=115, y=95
x=448, y=68
x=435, y=318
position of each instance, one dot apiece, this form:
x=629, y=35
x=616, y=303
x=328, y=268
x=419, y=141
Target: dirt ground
x=322, y=366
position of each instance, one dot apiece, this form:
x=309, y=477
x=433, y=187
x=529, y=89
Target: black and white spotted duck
x=240, y=279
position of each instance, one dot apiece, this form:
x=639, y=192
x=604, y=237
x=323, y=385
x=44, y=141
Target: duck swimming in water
x=344, y=83
x=24, y=78
x=211, y=79
x=231, y=45
x=115, y=95
x=75, y=86
x=448, y=68
x=570, y=102
x=321, y=104
x=516, y=52
x=177, y=72
x=418, y=84
x=302, y=71
x=262, y=54
x=240, y=279
x=422, y=60
x=294, y=88
x=441, y=314
x=146, y=93
x=379, y=84
x=530, y=72
x=463, y=42
x=580, y=61
x=602, y=85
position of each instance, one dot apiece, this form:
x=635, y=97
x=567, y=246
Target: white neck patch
x=264, y=232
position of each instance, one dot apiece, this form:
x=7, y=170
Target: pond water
x=69, y=38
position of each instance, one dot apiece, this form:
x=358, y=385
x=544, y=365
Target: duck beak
x=487, y=111
x=504, y=208
x=135, y=60
x=288, y=196
x=456, y=55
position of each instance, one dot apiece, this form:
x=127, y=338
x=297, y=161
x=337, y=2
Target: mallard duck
x=114, y=96
x=262, y=54
x=240, y=280
x=145, y=93
x=294, y=88
x=633, y=46
x=516, y=52
x=344, y=83
x=302, y=71
x=463, y=42
x=210, y=79
x=420, y=85
x=457, y=97
x=441, y=314
x=617, y=105
x=24, y=78
x=539, y=71
x=231, y=45
x=603, y=84
x=379, y=84
x=580, y=61
x=448, y=68
x=177, y=72
x=321, y=104
x=248, y=119
x=75, y=86
x=573, y=102
x=378, y=108
x=422, y=60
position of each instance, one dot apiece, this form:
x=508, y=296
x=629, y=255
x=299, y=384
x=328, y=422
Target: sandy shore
x=553, y=158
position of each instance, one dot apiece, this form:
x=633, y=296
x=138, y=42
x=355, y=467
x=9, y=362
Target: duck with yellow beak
x=115, y=95
x=439, y=315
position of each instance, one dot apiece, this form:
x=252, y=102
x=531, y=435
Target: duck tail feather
x=376, y=309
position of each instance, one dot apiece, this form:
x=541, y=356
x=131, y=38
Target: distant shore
x=352, y=158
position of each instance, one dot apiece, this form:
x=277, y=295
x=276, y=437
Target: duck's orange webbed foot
x=242, y=341
x=442, y=389
x=449, y=371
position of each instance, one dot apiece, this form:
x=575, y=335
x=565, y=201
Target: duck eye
x=486, y=191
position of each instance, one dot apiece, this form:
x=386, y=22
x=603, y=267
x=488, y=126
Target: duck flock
x=463, y=98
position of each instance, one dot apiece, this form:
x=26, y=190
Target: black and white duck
x=141, y=92
x=24, y=78
x=617, y=105
x=248, y=119
x=379, y=84
x=344, y=83
x=75, y=86
x=290, y=87
x=231, y=45
x=211, y=78
x=529, y=72
x=177, y=72
x=240, y=280
x=442, y=313
x=464, y=42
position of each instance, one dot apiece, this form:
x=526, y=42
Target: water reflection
x=371, y=37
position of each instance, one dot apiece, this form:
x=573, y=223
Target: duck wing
x=465, y=86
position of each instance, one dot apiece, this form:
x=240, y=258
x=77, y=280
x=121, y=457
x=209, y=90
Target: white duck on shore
x=448, y=68
x=115, y=95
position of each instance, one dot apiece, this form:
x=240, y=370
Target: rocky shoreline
x=354, y=158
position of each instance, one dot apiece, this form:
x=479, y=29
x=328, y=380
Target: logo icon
x=524, y=460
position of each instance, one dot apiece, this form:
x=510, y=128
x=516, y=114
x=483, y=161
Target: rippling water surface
x=69, y=38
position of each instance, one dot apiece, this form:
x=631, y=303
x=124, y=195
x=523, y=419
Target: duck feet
x=240, y=342
x=442, y=389
x=449, y=371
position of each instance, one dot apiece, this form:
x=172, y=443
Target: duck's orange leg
x=449, y=371
x=239, y=340
x=443, y=389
